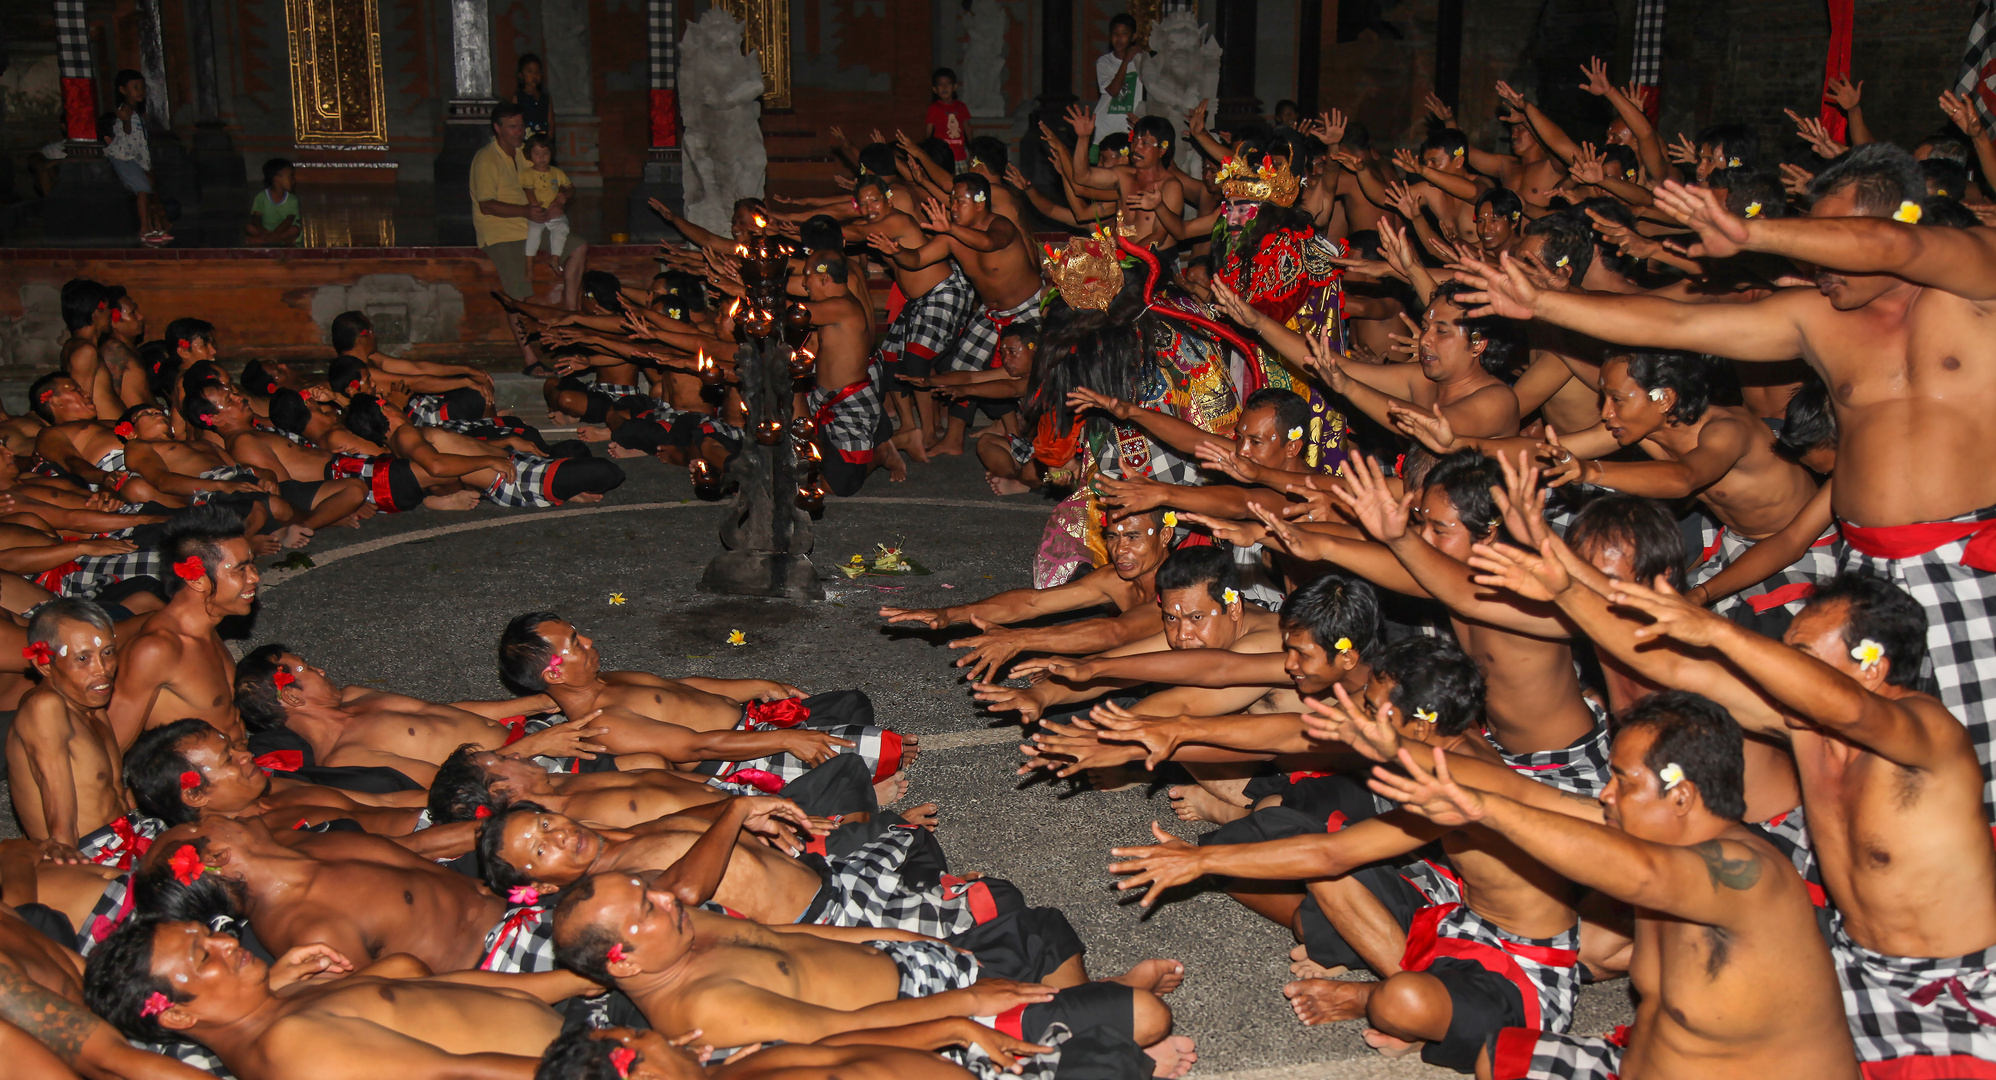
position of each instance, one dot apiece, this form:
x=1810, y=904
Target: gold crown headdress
x=1271, y=183
x=1089, y=270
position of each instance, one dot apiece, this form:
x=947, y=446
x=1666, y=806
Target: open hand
x=1171, y=862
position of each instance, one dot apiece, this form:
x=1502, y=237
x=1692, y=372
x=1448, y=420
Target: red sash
x=516, y=729
x=1425, y=945
x=824, y=414
x=51, y=579
x=783, y=712
x=1906, y=541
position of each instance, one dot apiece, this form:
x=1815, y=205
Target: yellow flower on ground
x=616, y=598
x=736, y=637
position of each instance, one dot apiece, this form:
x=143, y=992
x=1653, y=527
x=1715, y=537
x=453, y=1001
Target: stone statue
x=1184, y=72
x=719, y=92
x=981, y=85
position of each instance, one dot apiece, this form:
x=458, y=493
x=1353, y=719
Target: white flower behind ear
x=1656, y=393
x=1230, y=597
x=1671, y=775
x=1171, y=519
x=1867, y=653
x=1908, y=212
x=1753, y=209
x=1295, y=433
x=1426, y=716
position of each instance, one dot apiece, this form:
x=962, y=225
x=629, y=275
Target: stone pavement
x=416, y=603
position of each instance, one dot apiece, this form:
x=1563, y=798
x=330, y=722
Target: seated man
x=164, y=981
x=740, y=982
x=62, y=756
x=757, y=725
x=508, y=477
x=179, y=666
x=1721, y=915
x=1138, y=545
x=362, y=895
x=355, y=725
x=439, y=391
x=186, y=770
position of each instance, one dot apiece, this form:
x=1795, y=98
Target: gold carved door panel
x=336, y=89
x=766, y=28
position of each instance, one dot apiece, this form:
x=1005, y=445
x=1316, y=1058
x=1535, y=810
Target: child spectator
x=547, y=187
x=949, y=119
x=531, y=95
x=273, y=217
x=125, y=146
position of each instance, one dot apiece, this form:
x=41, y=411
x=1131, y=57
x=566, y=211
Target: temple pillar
x=1056, y=91
x=1235, y=29
x=216, y=161
x=571, y=82
x=87, y=200
x=467, y=117
x=664, y=177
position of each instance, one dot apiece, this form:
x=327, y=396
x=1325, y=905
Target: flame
x=761, y=222
x=816, y=454
x=735, y=308
x=741, y=250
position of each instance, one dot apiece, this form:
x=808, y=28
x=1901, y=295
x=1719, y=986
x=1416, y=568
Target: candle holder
x=760, y=322
x=706, y=483
x=796, y=324
x=768, y=431
x=709, y=371
x=811, y=496
x=802, y=363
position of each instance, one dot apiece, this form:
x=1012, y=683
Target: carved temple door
x=336, y=88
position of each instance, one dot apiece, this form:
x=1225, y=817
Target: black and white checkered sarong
x=120, y=843
x=930, y=967
x=1788, y=590
x=523, y=941
x=532, y=484
x=1581, y=768
x=1960, y=602
x=977, y=349
x=1526, y=1054
x=226, y=473
x=426, y=409
x=865, y=889
x=1545, y=971
x=1790, y=835
x=849, y=418
x=1903, y=1008
x=878, y=747
x=930, y=324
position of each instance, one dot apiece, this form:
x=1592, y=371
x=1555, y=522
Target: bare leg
x=1408, y=1009
x=575, y=260
x=1155, y=976
x=1326, y=1001
x=1362, y=921
x=1194, y=802
x=336, y=500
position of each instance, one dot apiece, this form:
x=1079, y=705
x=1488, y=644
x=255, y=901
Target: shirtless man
x=86, y=314
x=184, y=469
x=78, y=443
x=118, y=351
x=693, y=719
x=853, y=432
x=364, y=896
x=166, y=981
x=1721, y=916
x=1444, y=186
x=903, y=1053
x=1500, y=905
x=179, y=666
x=1894, y=329
x=740, y=982
x=304, y=472
x=352, y=335
x=1000, y=262
x=1891, y=788
x=62, y=756
x=471, y=780
x=227, y=782
x=1528, y=169
x=939, y=303
x=1148, y=172
x=355, y=725
x=509, y=470
x=1138, y=545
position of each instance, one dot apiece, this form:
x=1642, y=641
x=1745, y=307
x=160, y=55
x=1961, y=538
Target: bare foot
x=351, y=521
x=263, y=544
x=946, y=448
x=617, y=451
x=1389, y=1046
x=593, y=433
x=367, y=510
x=1005, y=485
x=897, y=466
x=1156, y=976
x=911, y=749
x=1303, y=967
x=584, y=498
x=1175, y=1056
x=559, y=419
x=297, y=536
x=456, y=500
x=1194, y=803
x=890, y=790
x=923, y=815
x=910, y=442
x=1325, y=1001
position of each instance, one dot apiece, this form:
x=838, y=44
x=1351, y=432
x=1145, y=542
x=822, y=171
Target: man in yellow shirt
x=501, y=211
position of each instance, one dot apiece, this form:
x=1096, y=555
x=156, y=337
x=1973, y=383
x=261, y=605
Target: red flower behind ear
x=38, y=652
x=283, y=678
x=621, y=1059
x=617, y=954
x=156, y=1003
x=123, y=430
x=190, y=780
x=481, y=813
x=187, y=865
x=190, y=568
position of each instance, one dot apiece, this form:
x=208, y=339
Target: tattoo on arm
x=58, y=1024
x=1736, y=874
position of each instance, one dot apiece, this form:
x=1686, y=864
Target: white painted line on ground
x=955, y=740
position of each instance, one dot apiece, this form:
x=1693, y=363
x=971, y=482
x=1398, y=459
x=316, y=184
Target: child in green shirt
x=274, y=220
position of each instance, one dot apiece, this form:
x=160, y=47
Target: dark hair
x=257, y=380
x=195, y=403
x=582, y=1053
x=272, y=167
x=1357, y=135
x=1503, y=340
x=256, y=687
x=1332, y=606
x=345, y=373
x=535, y=142
x=938, y=150
x=942, y=73
x=461, y=789
x=1737, y=140
x=1605, y=253
x=1117, y=142
x=1698, y=736
x=196, y=532
x=1689, y=374
x=1122, y=18
x=990, y=152
x=211, y=899
x=131, y=415
x=1291, y=409
x=877, y=159
x=38, y=394
x=125, y=75
x=870, y=180
x=1570, y=236
x=1745, y=187
x=1024, y=331
x=1879, y=610
x=1810, y=422
x=1946, y=144
x=829, y=263
x=50, y=615
x=288, y=411
x=1945, y=178
x=1466, y=477
x=1502, y=201
x=366, y=418
x=520, y=69
x=500, y=875
x=603, y=287
x=1199, y=564
x=1882, y=174
x=119, y=980
x=1943, y=212
x=1159, y=128
x=346, y=330
x=1448, y=140
x=524, y=653
x=1644, y=525
x=188, y=330
x=504, y=111
x=980, y=188
x=81, y=300
x=820, y=232
x=587, y=951
x=1433, y=674
x=153, y=767
x=1277, y=111
x=162, y=367
x=1626, y=165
